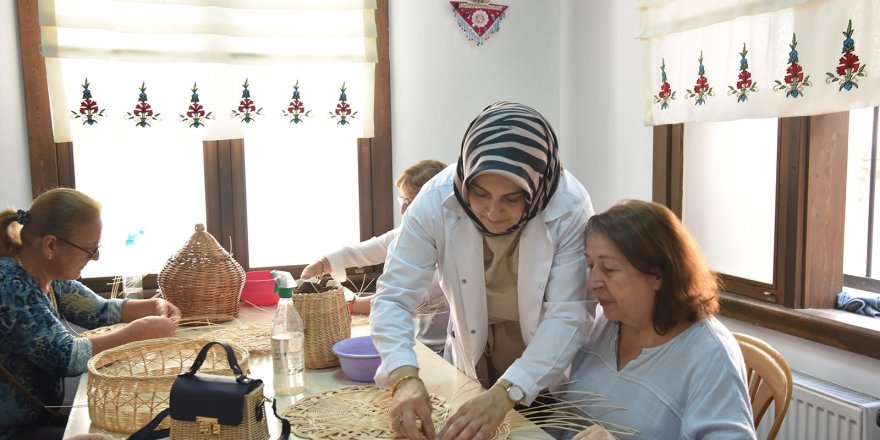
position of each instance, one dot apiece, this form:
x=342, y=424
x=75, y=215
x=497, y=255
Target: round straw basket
x=129, y=384
x=326, y=321
x=202, y=279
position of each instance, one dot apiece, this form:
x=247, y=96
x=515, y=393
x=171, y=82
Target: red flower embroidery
x=143, y=109
x=849, y=60
x=88, y=106
x=665, y=90
x=343, y=108
x=195, y=109
x=246, y=104
x=745, y=80
x=794, y=72
x=296, y=106
x=702, y=85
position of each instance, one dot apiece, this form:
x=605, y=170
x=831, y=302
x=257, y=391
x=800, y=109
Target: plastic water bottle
x=133, y=281
x=287, y=339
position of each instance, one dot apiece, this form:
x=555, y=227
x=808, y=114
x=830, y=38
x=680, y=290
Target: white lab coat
x=431, y=325
x=553, y=302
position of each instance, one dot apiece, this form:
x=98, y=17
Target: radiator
x=820, y=410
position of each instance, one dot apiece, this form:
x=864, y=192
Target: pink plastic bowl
x=259, y=289
x=358, y=358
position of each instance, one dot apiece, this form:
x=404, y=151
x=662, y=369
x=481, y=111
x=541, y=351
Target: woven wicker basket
x=202, y=279
x=326, y=321
x=129, y=384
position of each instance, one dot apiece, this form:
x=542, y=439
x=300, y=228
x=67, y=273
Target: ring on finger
x=398, y=421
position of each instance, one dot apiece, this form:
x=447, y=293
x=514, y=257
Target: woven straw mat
x=356, y=412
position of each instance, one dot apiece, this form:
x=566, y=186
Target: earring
x=51, y=255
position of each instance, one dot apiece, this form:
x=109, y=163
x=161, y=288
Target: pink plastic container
x=358, y=358
x=259, y=289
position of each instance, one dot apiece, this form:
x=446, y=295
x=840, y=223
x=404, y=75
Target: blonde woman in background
x=433, y=318
x=42, y=252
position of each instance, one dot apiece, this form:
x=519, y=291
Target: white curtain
x=269, y=72
x=171, y=45
x=748, y=59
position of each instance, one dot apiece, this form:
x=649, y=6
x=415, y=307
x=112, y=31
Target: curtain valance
x=758, y=59
x=235, y=32
x=209, y=67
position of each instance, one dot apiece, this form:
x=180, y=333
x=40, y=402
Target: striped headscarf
x=515, y=141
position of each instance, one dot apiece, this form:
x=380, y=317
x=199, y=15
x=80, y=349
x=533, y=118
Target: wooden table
x=440, y=377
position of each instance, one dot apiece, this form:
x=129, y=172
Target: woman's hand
x=134, y=309
x=166, y=309
x=595, y=432
x=478, y=418
x=411, y=414
x=150, y=327
x=315, y=269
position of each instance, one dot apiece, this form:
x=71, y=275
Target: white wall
x=15, y=178
x=576, y=62
x=601, y=109
x=440, y=80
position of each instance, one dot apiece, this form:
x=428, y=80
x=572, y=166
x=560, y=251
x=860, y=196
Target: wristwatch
x=514, y=392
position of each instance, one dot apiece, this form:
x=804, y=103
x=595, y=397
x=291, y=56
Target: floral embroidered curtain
x=746, y=59
x=213, y=66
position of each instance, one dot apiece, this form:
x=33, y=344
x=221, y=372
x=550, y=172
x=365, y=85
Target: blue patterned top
x=37, y=348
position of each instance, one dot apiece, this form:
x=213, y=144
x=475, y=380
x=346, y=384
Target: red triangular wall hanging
x=478, y=19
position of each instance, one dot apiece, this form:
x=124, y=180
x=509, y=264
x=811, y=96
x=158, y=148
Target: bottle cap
x=284, y=292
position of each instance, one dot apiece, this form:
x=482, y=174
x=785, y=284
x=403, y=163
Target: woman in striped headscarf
x=504, y=229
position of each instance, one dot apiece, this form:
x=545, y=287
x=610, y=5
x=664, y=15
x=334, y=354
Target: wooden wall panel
x=825, y=202
x=41, y=140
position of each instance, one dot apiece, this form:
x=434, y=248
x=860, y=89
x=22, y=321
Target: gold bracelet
x=402, y=380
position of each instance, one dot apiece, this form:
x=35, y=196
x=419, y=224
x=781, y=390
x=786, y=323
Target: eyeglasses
x=91, y=253
x=404, y=201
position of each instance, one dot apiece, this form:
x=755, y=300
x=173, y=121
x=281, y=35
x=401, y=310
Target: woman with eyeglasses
x=432, y=320
x=504, y=229
x=42, y=252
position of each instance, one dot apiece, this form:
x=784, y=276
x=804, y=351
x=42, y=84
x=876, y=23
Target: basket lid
x=201, y=245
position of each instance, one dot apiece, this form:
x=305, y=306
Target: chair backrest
x=769, y=379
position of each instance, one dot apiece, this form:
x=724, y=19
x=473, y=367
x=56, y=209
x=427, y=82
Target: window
x=217, y=182
x=727, y=168
x=809, y=178
x=861, y=262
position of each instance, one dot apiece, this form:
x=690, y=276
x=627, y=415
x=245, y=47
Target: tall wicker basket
x=326, y=321
x=202, y=279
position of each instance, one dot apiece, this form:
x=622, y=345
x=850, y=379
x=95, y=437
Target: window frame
x=51, y=163
x=808, y=261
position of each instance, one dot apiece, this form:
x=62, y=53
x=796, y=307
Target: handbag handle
x=230, y=356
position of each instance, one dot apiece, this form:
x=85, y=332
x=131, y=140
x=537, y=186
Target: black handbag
x=207, y=406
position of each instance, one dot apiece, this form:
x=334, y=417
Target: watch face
x=515, y=393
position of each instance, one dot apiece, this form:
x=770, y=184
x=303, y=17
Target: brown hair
x=419, y=174
x=655, y=242
x=59, y=211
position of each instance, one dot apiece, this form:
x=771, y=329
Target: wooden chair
x=769, y=379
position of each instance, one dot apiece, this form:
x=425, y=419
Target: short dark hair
x=655, y=242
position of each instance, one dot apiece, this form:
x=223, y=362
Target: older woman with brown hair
x=668, y=367
x=42, y=252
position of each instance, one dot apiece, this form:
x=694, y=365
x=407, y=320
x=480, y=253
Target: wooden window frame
x=808, y=261
x=51, y=163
